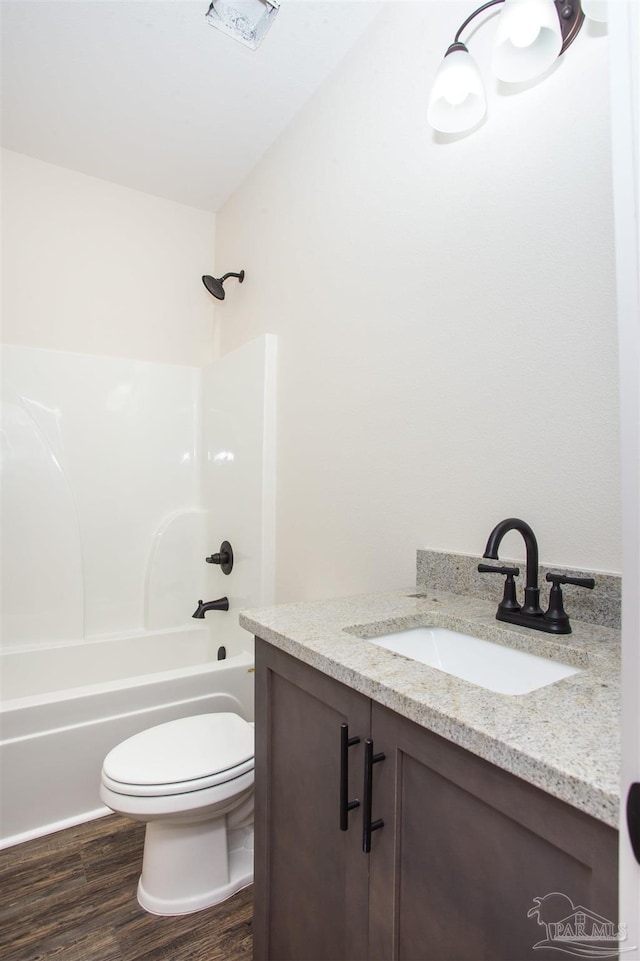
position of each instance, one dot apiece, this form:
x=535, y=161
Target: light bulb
x=458, y=88
x=524, y=33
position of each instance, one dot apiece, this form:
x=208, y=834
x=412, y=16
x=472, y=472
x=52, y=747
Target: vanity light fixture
x=245, y=20
x=530, y=36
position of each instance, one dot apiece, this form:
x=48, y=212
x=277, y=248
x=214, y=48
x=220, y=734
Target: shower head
x=214, y=286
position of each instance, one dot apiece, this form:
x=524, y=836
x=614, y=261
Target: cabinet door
x=466, y=848
x=310, y=876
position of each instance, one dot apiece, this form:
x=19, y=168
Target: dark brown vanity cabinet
x=311, y=878
x=463, y=850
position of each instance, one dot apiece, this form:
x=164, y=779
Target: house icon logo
x=574, y=929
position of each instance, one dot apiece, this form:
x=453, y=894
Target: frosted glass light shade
x=457, y=100
x=528, y=40
x=595, y=10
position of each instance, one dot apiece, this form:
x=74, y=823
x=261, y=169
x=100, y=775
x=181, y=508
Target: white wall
x=446, y=312
x=93, y=267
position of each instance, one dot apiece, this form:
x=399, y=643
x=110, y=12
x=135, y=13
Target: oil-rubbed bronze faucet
x=530, y=614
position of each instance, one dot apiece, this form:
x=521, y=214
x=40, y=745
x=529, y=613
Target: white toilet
x=191, y=780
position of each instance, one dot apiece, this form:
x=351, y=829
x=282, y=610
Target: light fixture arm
x=485, y=6
x=570, y=15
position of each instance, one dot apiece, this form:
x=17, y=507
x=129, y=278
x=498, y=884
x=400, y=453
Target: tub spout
x=221, y=604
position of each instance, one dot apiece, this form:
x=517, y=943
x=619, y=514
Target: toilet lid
x=183, y=750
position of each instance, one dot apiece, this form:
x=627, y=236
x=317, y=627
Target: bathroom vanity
x=402, y=812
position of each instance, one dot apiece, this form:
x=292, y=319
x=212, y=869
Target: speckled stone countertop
x=563, y=738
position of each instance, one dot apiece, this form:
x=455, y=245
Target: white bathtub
x=64, y=707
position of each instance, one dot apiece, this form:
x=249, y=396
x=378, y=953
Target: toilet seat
x=182, y=756
x=178, y=787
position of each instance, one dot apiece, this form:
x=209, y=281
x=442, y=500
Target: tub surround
x=563, y=738
x=98, y=552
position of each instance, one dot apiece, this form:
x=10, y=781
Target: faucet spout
x=220, y=604
x=531, y=591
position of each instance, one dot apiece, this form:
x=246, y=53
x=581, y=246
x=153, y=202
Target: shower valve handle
x=224, y=558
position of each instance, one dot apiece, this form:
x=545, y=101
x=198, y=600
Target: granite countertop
x=563, y=738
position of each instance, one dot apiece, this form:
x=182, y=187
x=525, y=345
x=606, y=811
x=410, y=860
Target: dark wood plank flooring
x=71, y=896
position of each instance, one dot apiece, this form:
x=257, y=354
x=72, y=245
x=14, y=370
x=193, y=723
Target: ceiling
x=148, y=95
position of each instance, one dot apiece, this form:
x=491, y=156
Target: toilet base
x=187, y=868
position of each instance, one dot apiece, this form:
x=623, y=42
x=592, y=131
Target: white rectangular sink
x=493, y=666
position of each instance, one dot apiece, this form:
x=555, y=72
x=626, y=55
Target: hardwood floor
x=71, y=896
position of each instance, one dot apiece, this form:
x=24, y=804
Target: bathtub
x=63, y=707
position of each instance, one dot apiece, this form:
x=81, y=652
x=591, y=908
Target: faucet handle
x=488, y=569
x=556, y=579
x=556, y=613
x=509, y=601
